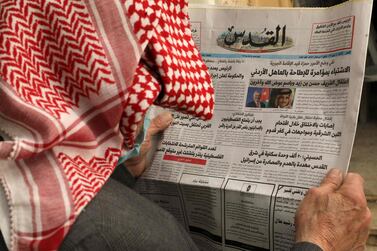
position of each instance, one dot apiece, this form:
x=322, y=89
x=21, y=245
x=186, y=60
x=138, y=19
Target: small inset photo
x=248, y=188
x=282, y=98
x=257, y=97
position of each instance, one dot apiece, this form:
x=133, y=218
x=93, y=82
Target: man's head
x=283, y=99
x=256, y=97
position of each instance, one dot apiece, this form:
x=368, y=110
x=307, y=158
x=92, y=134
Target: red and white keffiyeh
x=76, y=77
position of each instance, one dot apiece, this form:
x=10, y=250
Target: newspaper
x=288, y=84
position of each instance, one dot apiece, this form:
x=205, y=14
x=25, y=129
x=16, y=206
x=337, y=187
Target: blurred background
x=364, y=155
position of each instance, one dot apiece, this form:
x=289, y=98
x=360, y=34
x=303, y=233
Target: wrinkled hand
x=137, y=165
x=335, y=215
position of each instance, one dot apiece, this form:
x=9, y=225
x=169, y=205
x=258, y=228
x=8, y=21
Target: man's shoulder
x=251, y=104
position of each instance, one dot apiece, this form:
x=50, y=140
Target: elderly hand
x=335, y=215
x=137, y=164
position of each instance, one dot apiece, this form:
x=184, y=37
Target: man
x=328, y=213
x=333, y=216
x=67, y=127
x=256, y=101
x=283, y=98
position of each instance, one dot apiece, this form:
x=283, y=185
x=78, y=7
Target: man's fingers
x=160, y=123
x=137, y=164
x=364, y=232
x=332, y=181
x=353, y=188
x=353, y=180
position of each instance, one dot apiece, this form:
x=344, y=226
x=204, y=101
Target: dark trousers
x=118, y=218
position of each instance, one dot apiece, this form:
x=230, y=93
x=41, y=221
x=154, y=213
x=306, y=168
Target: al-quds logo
x=255, y=42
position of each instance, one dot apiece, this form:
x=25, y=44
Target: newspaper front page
x=288, y=84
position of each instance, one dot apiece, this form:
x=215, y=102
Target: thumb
x=332, y=181
x=160, y=123
x=137, y=164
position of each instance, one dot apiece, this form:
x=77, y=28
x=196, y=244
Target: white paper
x=235, y=181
